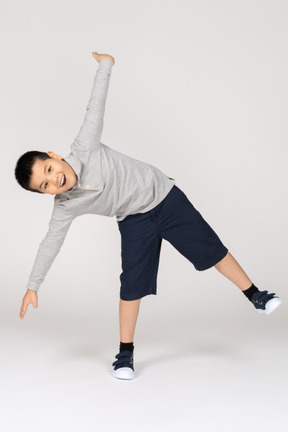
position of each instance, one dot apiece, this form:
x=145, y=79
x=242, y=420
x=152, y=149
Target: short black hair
x=24, y=165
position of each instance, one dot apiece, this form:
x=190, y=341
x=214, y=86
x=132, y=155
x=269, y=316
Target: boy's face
x=48, y=175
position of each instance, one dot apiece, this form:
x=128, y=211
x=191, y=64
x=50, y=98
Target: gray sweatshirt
x=109, y=183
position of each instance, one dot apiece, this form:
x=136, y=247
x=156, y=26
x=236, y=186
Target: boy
x=148, y=207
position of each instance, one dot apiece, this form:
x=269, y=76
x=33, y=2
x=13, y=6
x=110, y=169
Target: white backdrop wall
x=199, y=90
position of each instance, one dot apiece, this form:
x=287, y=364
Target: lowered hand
x=30, y=297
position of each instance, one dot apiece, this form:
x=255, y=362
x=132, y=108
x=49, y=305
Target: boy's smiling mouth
x=63, y=180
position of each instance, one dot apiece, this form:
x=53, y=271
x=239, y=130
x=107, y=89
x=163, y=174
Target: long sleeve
x=49, y=247
x=91, y=130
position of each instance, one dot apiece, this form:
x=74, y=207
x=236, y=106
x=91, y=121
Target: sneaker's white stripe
x=124, y=373
x=272, y=304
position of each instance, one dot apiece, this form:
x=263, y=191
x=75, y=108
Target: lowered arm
x=49, y=247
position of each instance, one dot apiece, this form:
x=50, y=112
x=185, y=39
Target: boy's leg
x=128, y=314
x=262, y=300
x=232, y=270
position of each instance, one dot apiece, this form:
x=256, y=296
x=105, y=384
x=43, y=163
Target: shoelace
x=124, y=359
x=262, y=297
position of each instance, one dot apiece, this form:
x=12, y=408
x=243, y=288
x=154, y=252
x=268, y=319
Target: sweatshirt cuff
x=107, y=63
x=34, y=286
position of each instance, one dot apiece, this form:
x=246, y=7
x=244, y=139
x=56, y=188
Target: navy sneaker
x=264, y=302
x=123, y=366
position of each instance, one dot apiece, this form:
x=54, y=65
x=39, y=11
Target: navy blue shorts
x=176, y=220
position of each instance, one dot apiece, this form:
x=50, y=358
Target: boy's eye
x=45, y=185
x=49, y=169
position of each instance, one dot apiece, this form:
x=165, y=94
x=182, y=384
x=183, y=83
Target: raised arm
x=91, y=130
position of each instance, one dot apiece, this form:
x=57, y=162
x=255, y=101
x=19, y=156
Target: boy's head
x=44, y=173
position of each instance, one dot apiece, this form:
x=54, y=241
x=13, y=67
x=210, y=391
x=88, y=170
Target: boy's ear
x=54, y=155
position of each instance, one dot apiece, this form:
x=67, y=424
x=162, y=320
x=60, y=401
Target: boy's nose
x=55, y=181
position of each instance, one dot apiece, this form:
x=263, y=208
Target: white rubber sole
x=125, y=373
x=271, y=305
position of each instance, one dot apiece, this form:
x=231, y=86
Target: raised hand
x=99, y=57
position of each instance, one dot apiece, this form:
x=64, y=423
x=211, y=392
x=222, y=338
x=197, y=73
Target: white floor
x=202, y=374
